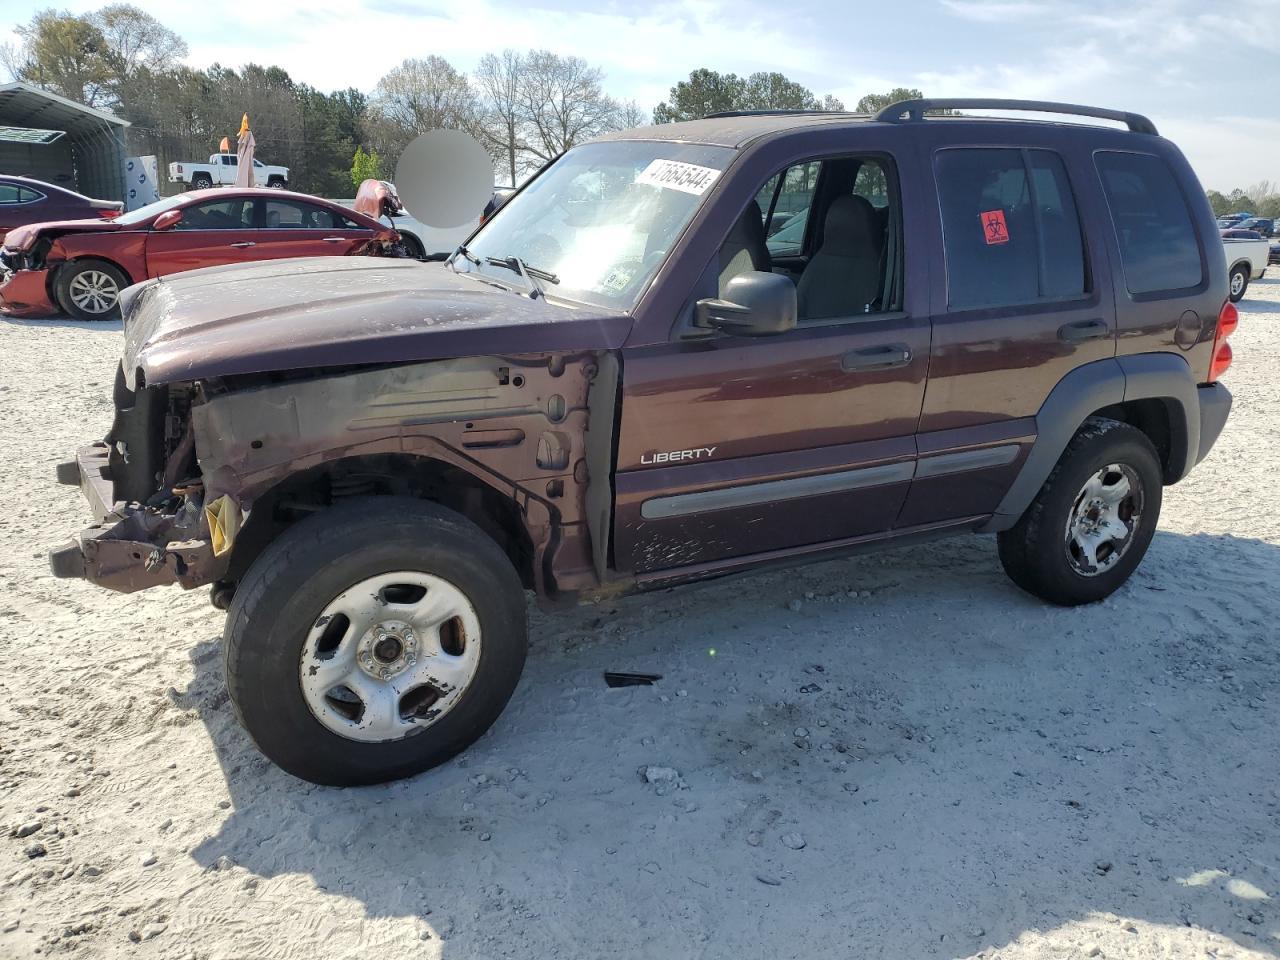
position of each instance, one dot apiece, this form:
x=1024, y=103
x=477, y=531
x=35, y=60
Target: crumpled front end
x=143, y=487
x=24, y=289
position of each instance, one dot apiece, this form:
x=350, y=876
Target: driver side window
x=834, y=227
x=218, y=215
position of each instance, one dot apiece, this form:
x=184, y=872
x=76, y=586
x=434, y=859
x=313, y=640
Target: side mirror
x=167, y=220
x=755, y=304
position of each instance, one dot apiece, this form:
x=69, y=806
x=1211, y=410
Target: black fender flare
x=1090, y=388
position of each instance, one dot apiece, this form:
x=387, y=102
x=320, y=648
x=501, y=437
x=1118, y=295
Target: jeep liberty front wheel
x=1092, y=521
x=374, y=640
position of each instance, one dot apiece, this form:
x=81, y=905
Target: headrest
x=852, y=227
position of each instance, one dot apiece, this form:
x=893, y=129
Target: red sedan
x=80, y=266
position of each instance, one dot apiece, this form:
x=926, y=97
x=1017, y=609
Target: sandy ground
x=897, y=756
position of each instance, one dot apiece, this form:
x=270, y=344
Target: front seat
x=744, y=249
x=843, y=278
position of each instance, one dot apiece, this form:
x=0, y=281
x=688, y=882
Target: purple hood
x=325, y=311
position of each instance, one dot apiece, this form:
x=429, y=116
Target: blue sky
x=1203, y=71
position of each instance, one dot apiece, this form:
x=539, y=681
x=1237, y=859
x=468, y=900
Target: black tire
x=201, y=181
x=1035, y=551
x=73, y=302
x=293, y=580
x=412, y=247
x=278, y=183
x=1237, y=283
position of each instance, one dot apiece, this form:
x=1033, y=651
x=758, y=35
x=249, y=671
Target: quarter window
x=1010, y=227
x=1153, y=223
x=8, y=193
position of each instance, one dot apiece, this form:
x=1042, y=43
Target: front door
x=209, y=234
x=731, y=447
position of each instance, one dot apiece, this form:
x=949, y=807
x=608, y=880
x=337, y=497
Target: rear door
x=296, y=228
x=1024, y=297
x=210, y=233
x=733, y=447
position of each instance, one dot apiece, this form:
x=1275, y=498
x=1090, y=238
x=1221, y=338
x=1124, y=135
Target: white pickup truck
x=1246, y=260
x=221, y=171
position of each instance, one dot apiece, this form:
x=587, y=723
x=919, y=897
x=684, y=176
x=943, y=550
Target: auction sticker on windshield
x=674, y=175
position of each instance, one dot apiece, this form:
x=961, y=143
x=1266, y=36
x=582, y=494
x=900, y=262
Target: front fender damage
x=515, y=424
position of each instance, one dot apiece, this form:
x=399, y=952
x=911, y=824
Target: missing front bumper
x=130, y=547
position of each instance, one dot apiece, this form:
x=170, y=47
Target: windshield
x=150, y=210
x=601, y=219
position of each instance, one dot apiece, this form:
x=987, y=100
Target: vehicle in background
x=81, y=266
x=221, y=171
x=23, y=201
x=1247, y=255
x=1014, y=327
x=1236, y=217
x=1263, y=225
x=380, y=199
x=1273, y=257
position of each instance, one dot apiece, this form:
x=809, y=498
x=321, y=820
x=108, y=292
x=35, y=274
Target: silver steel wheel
x=94, y=291
x=1104, y=519
x=390, y=656
x=1237, y=282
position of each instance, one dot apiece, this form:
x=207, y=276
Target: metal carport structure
x=88, y=157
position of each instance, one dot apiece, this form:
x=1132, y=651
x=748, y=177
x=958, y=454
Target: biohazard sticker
x=993, y=227
x=674, y=175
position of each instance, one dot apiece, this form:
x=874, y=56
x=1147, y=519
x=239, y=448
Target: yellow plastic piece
x=224, y=523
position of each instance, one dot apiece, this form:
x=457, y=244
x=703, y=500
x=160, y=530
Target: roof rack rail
x=915, y=110
x=780, y=113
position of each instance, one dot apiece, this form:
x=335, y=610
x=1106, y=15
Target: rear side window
x=291, y=214
x=1153, y=223
x=1010, y=228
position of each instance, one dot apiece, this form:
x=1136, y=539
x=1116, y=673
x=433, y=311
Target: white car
x=423, y=242
x=221, y=171
x=1246, y=260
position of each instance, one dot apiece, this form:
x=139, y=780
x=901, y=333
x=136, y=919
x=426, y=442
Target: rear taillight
x=177, y=168
x=1228, y=320
x=109, y=214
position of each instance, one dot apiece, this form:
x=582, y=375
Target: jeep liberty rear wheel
x=374, y=640
x=1092, y=521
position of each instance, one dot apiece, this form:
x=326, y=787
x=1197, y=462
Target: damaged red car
x=79, y=267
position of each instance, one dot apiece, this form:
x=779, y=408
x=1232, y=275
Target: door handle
x=883, y=357
x=334, y=239
x=1084, y=330
x=244, y=243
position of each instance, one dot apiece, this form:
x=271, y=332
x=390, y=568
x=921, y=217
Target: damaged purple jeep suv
x=677, y=352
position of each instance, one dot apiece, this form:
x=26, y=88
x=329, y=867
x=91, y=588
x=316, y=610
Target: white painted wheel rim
x=1237, y=283
x=390, y=656
x=94, y=291
x=1104, y=519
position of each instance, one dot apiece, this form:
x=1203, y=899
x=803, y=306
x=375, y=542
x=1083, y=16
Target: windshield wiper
x=530, y=275
x=467, y=255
